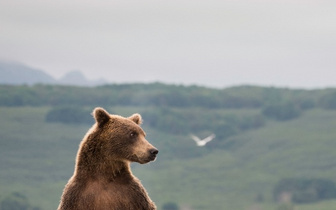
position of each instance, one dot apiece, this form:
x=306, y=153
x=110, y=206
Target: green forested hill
x=264, y=136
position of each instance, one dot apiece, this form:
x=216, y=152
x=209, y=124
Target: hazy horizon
x=213, y=43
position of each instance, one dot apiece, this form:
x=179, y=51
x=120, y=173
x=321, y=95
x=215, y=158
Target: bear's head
x=117, y=138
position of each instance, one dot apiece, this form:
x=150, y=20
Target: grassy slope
x=39, y=158
x=299, y=148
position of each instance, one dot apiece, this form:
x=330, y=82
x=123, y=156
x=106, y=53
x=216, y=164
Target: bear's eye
x=133, y=134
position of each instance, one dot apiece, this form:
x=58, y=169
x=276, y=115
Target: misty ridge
x=15, y=73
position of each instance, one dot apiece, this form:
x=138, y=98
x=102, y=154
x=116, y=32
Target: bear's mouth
x=147, y=159
x=152, y=157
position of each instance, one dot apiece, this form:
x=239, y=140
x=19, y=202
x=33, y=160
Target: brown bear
x=102, y=178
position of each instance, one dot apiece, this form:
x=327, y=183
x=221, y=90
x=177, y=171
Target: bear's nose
x=154, y=151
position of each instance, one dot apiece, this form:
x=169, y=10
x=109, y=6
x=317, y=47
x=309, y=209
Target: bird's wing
x=209, y=138
x=195, y=138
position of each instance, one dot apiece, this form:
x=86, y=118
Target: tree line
x=178, y=109
x=157, y=94
x=173, y=108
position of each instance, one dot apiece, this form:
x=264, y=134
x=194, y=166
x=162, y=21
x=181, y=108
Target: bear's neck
x=110, y=171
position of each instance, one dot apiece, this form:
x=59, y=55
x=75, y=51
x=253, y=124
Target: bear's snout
x=153, y=153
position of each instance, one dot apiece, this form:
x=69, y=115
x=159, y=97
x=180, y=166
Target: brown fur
x=102, y=178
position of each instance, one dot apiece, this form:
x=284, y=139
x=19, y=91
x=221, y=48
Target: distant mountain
x=18, y=74
x=78, y=79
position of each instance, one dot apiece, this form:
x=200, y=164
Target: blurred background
x=258, y=74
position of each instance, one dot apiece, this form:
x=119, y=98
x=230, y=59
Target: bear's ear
x=136, y=118
x=101, y=116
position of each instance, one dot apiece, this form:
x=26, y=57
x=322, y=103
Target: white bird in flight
x=204, y=141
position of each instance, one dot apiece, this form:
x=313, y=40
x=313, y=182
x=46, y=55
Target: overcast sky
x=217, y=43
